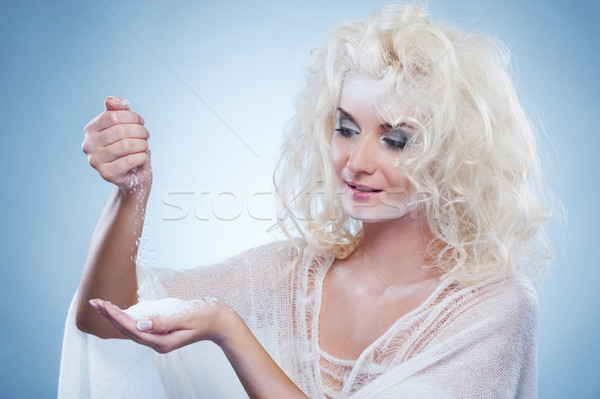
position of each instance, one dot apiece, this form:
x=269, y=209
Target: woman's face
x=364, y=152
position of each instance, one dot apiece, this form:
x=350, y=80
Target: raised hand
x=116, y=143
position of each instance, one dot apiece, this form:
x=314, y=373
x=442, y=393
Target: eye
x=345, y=132
x=396, y=140
x=346, y=128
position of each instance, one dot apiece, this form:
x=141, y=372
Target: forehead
x=376, y=97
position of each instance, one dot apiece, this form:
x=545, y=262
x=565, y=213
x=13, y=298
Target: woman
x=406, y=189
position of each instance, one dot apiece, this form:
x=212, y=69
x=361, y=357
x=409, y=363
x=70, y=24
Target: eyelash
x=394, y=145
x=397, y=145
x=344, y=131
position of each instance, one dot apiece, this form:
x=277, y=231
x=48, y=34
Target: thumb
x=159, y=325
x=116, y=103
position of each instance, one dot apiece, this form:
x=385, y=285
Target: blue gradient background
x=60, y=59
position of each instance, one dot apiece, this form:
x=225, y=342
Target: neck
x=396, y=249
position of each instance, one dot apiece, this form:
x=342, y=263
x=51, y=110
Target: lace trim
x=335, y=360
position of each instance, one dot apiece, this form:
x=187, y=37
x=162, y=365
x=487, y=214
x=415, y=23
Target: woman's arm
x=260, y=376
x=258, y=373
x=117, y=147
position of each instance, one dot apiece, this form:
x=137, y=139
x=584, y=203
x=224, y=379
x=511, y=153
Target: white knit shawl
x=462, y=342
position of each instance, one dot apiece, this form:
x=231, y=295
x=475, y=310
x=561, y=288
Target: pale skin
x=385, y=272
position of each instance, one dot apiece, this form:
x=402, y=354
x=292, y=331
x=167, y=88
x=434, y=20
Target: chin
x=378, y=213
x=372, y=216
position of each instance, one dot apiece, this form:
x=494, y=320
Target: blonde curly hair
x=475, y=151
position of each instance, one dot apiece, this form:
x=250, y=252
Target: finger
x=114, y=315
x=112, y=118
x=121, y=167
x=117, y=150
x=116, y=103
x=95, y=140
x=167, y=342
x=120, y=132
x=124, y=323
x=184, y=321
x=164, y=341
x=160, y=325
x=161, y=341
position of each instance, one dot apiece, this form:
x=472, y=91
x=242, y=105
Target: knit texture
x=462, y=342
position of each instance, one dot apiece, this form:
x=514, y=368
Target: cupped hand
x=116, y=143
x=204, y=321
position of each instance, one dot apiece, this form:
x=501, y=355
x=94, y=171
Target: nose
x=363, y=157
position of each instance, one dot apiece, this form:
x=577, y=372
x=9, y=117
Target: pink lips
x=361, y=192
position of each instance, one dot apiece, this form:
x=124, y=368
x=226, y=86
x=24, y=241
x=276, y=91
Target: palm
x=167, y=333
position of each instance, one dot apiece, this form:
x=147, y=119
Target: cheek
x=396, y=176
x=339, y=151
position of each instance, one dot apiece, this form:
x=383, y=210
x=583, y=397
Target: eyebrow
x=402, y=124
x=386, y=126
